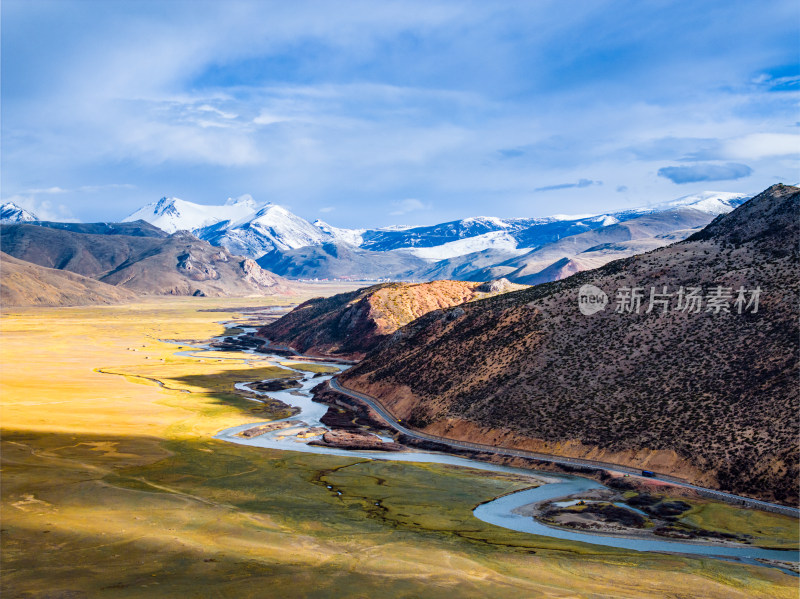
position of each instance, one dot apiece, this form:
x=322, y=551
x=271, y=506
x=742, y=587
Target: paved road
x=712, y=493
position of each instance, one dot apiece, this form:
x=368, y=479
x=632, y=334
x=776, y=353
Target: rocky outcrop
x=356, y=440
x=352, y=324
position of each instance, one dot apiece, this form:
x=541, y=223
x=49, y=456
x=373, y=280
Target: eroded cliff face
x=349, y=325
x=710, y=395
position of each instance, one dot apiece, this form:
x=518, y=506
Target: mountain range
x=139, y=257
x=524, y=250
x=705, y=389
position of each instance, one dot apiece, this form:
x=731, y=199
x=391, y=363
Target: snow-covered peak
x=272, y=227
x=710, y=202
x=11, y=213
x=349, y=236
x=606, y=220
x=491, y=221
x=395, y=228
x=174, y=214
x=287, y=230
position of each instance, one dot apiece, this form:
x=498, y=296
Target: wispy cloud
x=408, y=205
x=705, y=172
x=580, y=183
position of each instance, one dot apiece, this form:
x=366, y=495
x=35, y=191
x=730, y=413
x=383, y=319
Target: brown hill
x=26, y=284
x=712, y=397
x=179, y=264
x=351, y=324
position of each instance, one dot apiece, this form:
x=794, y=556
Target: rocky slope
x=179, y=264
x=351, y=324
x=710, y=396
x=26, y=284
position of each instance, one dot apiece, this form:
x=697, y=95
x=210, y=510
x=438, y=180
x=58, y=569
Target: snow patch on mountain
x=496, y=240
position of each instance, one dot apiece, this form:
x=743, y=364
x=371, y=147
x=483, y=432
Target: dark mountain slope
x=712, y=397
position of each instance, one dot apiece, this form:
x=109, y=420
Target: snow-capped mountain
x=272, y=227
x=710, y=202
x=252, y=230
x=351, y=236
x=174, y=214
x=11, y=213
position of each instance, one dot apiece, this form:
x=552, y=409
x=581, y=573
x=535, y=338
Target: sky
x=368, y=113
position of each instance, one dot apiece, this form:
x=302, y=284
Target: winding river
x=500, y=511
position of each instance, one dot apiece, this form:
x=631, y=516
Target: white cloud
x=762, y=145
x=217, y=111
x=48, y=190
x=408, y=205
x=269, y=119
x=182, y=99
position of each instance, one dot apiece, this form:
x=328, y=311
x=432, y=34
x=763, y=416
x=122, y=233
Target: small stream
x=500, y=511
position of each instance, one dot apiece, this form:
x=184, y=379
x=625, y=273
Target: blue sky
x=371, y=113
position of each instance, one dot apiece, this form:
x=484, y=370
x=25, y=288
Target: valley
x=114, y=484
